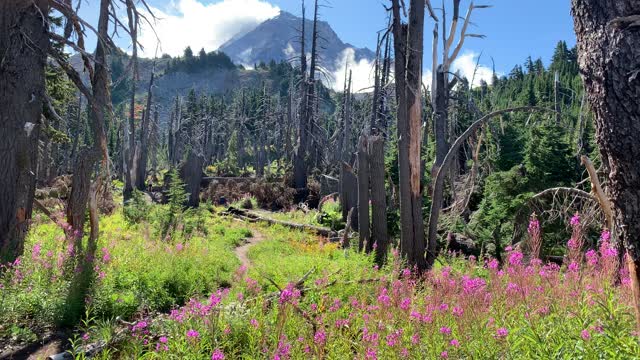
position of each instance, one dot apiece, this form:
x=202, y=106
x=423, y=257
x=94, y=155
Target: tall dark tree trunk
x=24, y=41
x=349, y=195
x=143, y=159
x=191, y=175
x=306, y=126
x=379, y=235
x=608, y=34
x=130, y=152
x=408, y=45
x=363, y=192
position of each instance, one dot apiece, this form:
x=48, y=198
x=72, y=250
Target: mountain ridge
x=277, y=39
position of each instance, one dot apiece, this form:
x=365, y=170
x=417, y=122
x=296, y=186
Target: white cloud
x=289, y=51
x=362, y=72
x=465, y=64
x=191, y=23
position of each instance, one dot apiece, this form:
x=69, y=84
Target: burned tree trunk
x=24, y=42
x=609, y=58
x=143, y=158
x=191, y=175
x=300, y=151
x=349, y=194
x=130, y=152
x=379, y=235
x=363, y=193
x=408, y=45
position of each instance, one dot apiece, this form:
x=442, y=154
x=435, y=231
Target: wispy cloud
x=465, y=64
x=192, y=23
x=362, y=72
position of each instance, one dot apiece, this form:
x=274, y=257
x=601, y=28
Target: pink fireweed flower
x=193, y=334
x=493, y=264
x=457, y=311
x=254, y=323
x=405, y=304
x=140, y=325
x=444, y=355
x=289, y=294
x=320, y=337
x=415, y=338
x=575, y=220
x=454, y=343
x=179, y=246
x=592, y=257
x=383, y=298
x=163, y=339
x=502, y=333
x=445, y=330
x=106, y=257
x=574, y=267
x=515, y=258
x=585, y=335
x=443, y=307
x=406, y=273
x=217, y=355
x=35, y=253
x=535, y=239
x=472, y=285
x=572, y=244
x=371, y=354
x=85, y=336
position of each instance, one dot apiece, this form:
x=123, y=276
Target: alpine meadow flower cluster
x=459, y=310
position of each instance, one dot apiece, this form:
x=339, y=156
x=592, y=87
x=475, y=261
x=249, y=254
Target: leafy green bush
x=137, y=209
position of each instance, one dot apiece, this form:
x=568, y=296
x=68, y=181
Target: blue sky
x=514, y=29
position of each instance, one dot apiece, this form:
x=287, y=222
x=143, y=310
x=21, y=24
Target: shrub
x=273, y=195
x=137, y=209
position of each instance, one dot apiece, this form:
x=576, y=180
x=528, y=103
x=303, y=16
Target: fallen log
x=206, y=180
x=253, y=217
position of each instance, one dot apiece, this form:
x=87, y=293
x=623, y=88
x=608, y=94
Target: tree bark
x=408, y=46
x=191, y=175
x=379, y=235
x=143, y=159
x=349, y=194
x=363, y=193
x=608, y=35
x=24, y=42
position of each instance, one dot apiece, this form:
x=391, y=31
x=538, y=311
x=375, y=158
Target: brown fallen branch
x=253, y=217
x=40, y=206
x=599, y=194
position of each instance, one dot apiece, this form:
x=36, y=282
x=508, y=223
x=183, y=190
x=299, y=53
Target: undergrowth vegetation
x=185, y=295
x=347, y=308
x=135, y=270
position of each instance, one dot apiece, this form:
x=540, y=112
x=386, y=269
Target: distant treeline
x=205, y=60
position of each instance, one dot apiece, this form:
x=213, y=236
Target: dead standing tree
x=440, y=91
x=609, y=58
x=143, y=153
x=308, y=90
x=408, y=41
x=24, y=41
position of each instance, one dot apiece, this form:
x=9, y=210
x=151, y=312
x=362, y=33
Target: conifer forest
x=230, y=180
